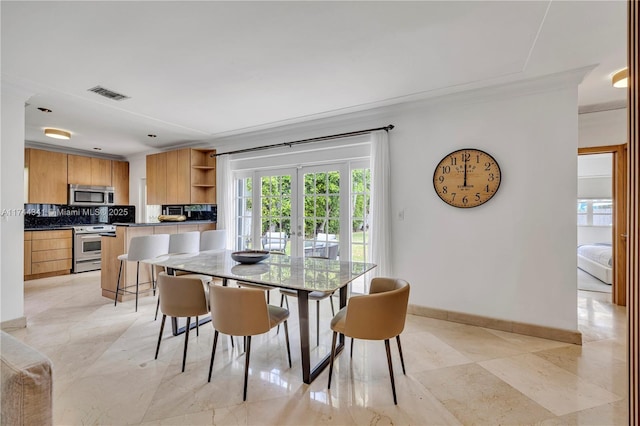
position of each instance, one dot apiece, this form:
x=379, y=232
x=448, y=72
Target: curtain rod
x=318, y=139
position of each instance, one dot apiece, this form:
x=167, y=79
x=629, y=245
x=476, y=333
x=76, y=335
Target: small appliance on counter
x=173, y=210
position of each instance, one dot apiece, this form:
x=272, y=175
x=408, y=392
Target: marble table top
x=297, y=273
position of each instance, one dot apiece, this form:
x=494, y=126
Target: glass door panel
x=276, y=209
x=322, y=211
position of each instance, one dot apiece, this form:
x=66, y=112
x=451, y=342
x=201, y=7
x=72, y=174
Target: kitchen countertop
x=184, y=222
x=50, y=228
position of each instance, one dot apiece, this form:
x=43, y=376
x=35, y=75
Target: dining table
x=302, y=274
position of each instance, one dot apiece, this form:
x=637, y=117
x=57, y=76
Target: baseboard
x=550, y=333
x=13, y=323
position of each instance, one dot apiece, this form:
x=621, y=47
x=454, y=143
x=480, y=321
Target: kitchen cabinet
x=88, y=170
x=50, y=253
x=184, y=176
x=48, y=175
x=27, y=253
x=120, y=181
x=45, y=176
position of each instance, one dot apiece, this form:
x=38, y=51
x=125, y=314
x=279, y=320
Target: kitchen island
x=115, y=245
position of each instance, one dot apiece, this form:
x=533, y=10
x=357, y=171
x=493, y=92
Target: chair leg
x=197, y=327
x=400, y=350
x=333, y=310
x=352, y=339
x=153, y=279
x=286, y=337
x=213, y=353
x=137, y=282
x=333, y=355
x=164, y=317
x=281, y=303
x=186, y=342
x=246, y=367
x=157, y=308
x=115, y=302
x=232, y=344
x=393, y=383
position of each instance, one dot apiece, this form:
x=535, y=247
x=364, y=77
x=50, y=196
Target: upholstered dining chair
x=379, y=315
x=238, y=311
x=266, y=288
x=142, y=248
x=182, y=243
x=316, y=296
x=181, y=296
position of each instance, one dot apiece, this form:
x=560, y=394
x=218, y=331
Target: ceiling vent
x=108, y=93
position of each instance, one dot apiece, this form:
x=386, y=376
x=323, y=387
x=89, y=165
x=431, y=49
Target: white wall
x=12, y=204
x=602, y=128
x=137, y=171
x=512, y=258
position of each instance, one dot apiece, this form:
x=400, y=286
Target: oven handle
x=85, y=236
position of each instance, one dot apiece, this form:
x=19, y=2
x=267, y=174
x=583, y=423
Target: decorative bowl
x=249, y=256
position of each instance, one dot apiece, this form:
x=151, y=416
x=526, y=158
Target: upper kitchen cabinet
x=183, y=176
x=45, y=177
x=89, y=170
x=120, y=181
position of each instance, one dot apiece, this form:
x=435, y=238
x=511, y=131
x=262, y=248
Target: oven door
x=86, y=252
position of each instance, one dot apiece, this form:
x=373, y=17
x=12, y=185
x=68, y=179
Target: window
x=595, y=212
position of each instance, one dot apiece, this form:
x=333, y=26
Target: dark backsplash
x=52, y=215
x=201, y=212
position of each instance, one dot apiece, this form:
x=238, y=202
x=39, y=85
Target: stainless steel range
x=87, y=246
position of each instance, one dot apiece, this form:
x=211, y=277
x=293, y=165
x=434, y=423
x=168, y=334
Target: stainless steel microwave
x=87, y=195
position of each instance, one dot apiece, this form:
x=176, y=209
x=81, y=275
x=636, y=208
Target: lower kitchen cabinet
x=47, y=253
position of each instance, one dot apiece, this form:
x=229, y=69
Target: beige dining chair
x=184, y=243
x=180, y=297
x=266, y=288
x=141, y=249
x=238, y=311
x=316, y=296
x=379, y=315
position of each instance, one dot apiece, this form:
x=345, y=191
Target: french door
x=303, y=211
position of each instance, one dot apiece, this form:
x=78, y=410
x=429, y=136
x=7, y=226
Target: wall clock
x=467, y=178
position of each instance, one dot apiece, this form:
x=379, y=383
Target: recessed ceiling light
x=44, y=109
x=621, y=78
x=57, y=134
x=153, y=136
x=98, y=149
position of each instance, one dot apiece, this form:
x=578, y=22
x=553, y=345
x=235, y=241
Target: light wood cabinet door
x=120, y=181
x=100, y=172
x=157, y=179
x=47, y=177
x=171, y=176
x=78, y=170
x=27, y=255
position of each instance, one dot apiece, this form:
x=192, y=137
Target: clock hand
x=465, y=172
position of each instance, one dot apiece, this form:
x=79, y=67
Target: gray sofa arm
x=27, y=387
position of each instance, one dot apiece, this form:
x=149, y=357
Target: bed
x=596, y=260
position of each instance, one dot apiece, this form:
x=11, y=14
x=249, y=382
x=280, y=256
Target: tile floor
x=105, y=372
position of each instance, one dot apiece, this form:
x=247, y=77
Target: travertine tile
x=105, y=372
x=475, y=396
x=552, y=387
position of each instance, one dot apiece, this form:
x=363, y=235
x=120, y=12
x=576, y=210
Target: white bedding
x=597, y=260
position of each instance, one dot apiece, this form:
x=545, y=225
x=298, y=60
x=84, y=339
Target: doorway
x=618, y=217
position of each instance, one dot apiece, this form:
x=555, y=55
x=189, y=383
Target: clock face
x=467, y=178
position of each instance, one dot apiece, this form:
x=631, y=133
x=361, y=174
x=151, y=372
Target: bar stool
x=213, y=240
x=141, y=249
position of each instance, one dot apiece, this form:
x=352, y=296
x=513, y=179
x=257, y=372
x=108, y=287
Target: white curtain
x=380, y=222
x=224, y=196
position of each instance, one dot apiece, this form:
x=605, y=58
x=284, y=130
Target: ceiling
x=197, y=71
